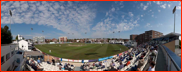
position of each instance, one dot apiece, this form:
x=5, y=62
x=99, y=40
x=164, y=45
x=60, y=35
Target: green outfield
x=81, y=50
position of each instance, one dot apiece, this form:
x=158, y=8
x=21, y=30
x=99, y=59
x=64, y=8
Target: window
x=18, y=60
x=7, y=56
x=2, y=60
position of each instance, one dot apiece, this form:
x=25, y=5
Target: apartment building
x=63, y=39
x=147, y=36
x=132, y=37
x=40, y=39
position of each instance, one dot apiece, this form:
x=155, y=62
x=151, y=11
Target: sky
x=90, y=19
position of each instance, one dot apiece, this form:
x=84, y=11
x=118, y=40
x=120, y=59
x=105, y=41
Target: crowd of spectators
x=133, y=59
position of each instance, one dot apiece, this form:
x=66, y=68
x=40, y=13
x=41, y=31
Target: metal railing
x=172, y=60
x=21, y=66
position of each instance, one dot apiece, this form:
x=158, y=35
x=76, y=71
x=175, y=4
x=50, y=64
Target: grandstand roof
x=172, y=34
x=33, y=53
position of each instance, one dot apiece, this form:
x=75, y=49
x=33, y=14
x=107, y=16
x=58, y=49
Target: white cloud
x=16, y=4
x=113, y=9
x=149, y=3
x=152, y=15
x=158, y=25
x=158, y=2
x=145, y=7
x=106, y=13
x=148, y=25
x=76, y=18
x=141, y=15
x=130, y=14
x=178, y=7
x=141, y=4
x=169, y=5
x=159, y=10
x=123, y=16
x=163, y=6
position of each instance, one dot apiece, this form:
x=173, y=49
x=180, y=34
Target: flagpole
x=10, y=23
x=10, y=18
x=174, y=21
x=174, y=16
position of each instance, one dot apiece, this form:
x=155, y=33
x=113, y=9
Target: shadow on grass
x=94, y=54
x=115, y=50
x=91, y=53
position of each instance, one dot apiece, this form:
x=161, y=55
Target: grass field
x=81, y=50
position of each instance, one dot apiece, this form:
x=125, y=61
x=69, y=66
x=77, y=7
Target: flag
x=10, y=12
x=174, y=9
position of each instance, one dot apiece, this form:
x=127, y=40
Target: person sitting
x=27, y=61
x=36, y=67
x=140, y=64
x=113, y=64
x=60, y=64
x=120, y=66
x=93, y=66
x=151, y=68
x=31, y=62
x=60, y=69
x=97, y=64
x=72, y=67
x=48, y=62
x=102, y=65
x=127, y=63
x=39, y=61
x=113, y=69
x=155, y=51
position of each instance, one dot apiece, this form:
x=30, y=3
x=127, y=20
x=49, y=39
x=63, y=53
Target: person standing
x=53, y=61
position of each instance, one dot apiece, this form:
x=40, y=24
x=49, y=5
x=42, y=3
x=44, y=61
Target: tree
x=180, y=42
x=6, y=37
x=16, y=37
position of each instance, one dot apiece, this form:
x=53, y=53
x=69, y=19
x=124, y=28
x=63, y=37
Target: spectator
x=140, y=64
x=66, y=66
x=127, y=63
x=60, y=64
x=121, y=66
x=39, y=61
x=155, y=51
x=27, y=61
x=102, y=66
x=31, y=62
x=112, y=64
x=36, y=67
x=53, y=61
x=151, y=68
x=113, y=69
x=60, y=69
x=48, y=62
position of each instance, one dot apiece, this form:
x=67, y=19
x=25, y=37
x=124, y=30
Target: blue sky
x=98, y=19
